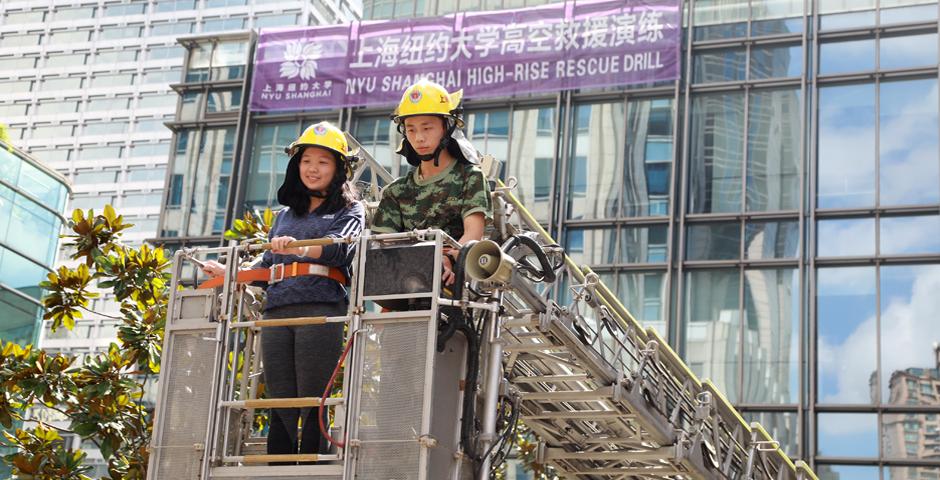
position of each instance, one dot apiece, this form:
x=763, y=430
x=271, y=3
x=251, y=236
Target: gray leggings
x=298, y=362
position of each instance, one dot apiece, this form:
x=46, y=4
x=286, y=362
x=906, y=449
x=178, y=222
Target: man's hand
x=213, y=269
x=448, y=276
x=279, y=246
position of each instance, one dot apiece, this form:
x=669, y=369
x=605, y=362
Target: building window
x=596, y=162
x=269, y=162
x=202, y=168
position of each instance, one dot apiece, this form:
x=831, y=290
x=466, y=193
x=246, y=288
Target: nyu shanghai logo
x=300, y=59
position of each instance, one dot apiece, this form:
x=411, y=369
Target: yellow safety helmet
x=323, y=134
x=428, y=98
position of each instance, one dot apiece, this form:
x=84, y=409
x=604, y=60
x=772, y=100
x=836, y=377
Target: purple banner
x=561, y=46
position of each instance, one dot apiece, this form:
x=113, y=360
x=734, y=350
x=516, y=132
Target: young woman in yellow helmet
x=321, y=202
x=446, y=189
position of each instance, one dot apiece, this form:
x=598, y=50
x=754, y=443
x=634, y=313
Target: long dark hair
x=341, y=192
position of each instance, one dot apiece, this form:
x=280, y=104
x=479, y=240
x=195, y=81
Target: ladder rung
x=631, y=455
x=281, y=402
x=588, y=395
x=290, y=457
x=300, y=472
x=588, y=415
x=535, y=347
x=629, y=471
x=289, y=322
x=551, y=379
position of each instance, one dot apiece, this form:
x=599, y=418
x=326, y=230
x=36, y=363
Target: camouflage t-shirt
x=441, y=201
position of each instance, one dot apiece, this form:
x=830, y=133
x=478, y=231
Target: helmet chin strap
x=436, y=155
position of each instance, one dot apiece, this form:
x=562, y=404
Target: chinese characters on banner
x=575, y=44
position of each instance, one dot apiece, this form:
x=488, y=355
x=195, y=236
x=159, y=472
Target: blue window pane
x=849, y=237
x=909, y=143
x=720, y=31
x=909, y=312
x=841, y=472
x=909, y=51
x=776, y=62
x=848, y=435
x=842, y=57
x=846, y=155
x=846, y=341
x=716, y=153
x=776, y=27
x=910, y=235
x=847, y=20
x=20, y=318
x=916, y=13
x=19, y=273
x=719, y=66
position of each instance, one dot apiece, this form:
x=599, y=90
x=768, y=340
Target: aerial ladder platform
x=435, y=382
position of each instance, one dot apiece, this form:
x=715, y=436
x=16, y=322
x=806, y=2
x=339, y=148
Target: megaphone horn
x=486, y=262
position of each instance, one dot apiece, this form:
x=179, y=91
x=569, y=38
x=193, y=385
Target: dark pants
x=298, y=362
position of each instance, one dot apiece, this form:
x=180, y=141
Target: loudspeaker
x=486, y=262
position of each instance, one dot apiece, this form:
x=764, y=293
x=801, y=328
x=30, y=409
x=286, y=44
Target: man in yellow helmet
x=446, y=189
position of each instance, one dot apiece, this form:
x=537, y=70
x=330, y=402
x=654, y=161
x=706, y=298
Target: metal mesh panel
x=388, y=461
x=393, y=382
x=188, y=366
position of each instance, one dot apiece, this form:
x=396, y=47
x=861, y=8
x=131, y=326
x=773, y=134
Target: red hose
x=326, y=393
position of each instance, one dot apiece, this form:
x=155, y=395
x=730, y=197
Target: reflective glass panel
x=776, y=62
x=643, y=244
x=839, y=472
x=908, y=51
x=489, y=132
x=773, y=150
x=716, y=153
x=910, y=235
x=649, y=153
x=720, y=66
x=908, y=144
x=848, y=237
x=847, y=435
x=771, y=336
x=771, y=239
x=711, y=327
x=268, y=162
x=714, y=241
x=914, y=13
x=909, y=312
x=846, y=343
x=644, y=295
x=905, y=473
x=846, y=159
x=591, y=246
x=596, y=161
x=843, y=57
x=531, y=158
x=379, y=136
x=716, y=19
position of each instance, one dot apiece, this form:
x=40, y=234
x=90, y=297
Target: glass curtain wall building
x=32, y=201
x=775, y=213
